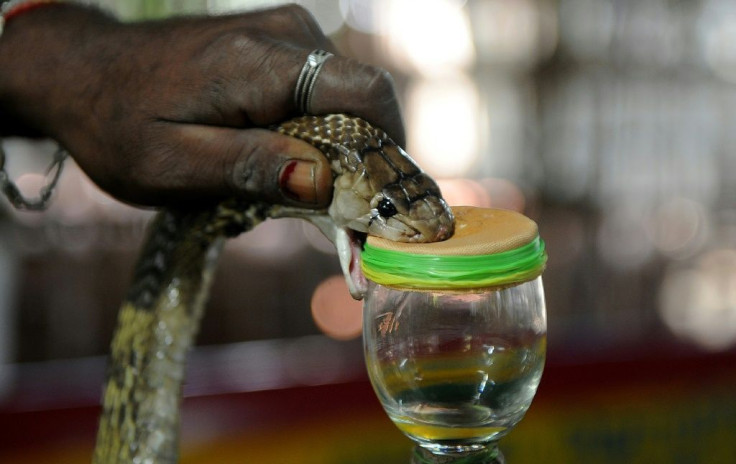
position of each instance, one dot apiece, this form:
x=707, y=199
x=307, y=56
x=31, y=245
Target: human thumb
x=256, y=163
x=281, y=169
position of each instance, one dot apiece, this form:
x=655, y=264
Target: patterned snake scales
x=377, y=190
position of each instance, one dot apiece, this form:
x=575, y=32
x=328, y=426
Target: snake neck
x=177, y=242
x=156, y=326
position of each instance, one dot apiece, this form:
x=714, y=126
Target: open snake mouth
x=359, y=286
x=349, y=243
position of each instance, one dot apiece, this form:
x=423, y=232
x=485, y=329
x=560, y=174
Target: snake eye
x=386, y=208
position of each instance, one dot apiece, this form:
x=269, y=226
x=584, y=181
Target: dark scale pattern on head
x=355, y=138
x=387, y=168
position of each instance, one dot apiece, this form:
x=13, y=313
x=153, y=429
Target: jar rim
x=423, y=271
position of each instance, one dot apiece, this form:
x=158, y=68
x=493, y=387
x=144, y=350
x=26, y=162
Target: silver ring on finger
x=307, y=78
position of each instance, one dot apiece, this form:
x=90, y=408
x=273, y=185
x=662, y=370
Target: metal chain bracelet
x=41, y=202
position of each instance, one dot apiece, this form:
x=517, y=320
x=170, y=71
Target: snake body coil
x=378, y=190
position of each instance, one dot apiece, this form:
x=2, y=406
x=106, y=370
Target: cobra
x=378, y=190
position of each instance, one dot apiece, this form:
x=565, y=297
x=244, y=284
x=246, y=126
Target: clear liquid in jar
x=459, y=392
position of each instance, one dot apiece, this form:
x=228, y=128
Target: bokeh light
x=717, y=37
x=699, y=303
x=512, y=34
x=622, y=238
x=442, y=123
x=679, y=227
x=436, y=40
x=334, y=311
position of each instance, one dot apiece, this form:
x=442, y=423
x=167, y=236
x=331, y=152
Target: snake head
x=411, y=210
x=386, y=195
x=378, y=190
x=388, y=216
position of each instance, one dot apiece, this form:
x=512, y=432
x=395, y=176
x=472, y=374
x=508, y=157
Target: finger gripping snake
x=378, y=190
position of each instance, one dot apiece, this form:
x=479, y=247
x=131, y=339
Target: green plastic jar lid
x=490, y=248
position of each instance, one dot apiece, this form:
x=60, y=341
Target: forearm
x=45, y=68
x=158, y=111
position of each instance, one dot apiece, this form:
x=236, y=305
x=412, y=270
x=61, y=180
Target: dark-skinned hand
x=166, y=112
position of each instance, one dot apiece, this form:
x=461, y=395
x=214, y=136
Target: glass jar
x=455, y=343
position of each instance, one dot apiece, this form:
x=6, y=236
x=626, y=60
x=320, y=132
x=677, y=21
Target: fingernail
x=297, y=181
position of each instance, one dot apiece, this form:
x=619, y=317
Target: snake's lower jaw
x=349, y=244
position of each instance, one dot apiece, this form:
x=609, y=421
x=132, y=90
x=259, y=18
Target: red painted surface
x=626, y=391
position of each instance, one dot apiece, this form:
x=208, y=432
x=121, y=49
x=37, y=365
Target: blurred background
x=609, y=122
